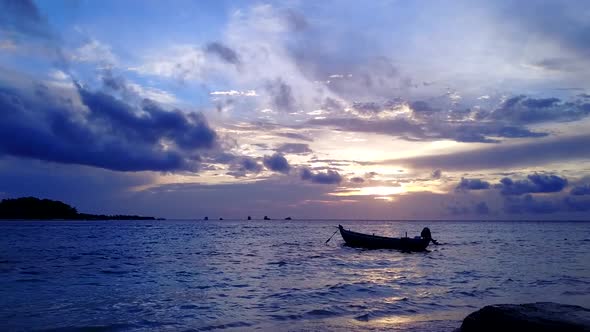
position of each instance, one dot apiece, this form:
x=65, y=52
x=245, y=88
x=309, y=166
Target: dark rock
x=540, y=317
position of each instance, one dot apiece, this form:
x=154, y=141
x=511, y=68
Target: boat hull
x=360, y=240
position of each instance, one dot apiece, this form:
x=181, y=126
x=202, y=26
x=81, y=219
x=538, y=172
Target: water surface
x=278, y=275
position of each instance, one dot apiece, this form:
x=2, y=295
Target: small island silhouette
x=46, y=209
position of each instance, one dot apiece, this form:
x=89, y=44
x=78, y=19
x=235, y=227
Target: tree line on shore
x=46, y=209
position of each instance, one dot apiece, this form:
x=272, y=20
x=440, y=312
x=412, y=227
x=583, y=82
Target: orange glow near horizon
x=380, y=191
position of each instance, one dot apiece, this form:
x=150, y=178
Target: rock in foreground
x=540, y=317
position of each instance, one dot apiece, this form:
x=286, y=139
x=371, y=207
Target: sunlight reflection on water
x=271, y=275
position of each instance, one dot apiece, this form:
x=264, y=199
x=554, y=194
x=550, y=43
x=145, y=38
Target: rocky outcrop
x=539, y=317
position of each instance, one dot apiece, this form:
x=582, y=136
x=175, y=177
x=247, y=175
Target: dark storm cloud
x=110, y=133
x=472, y=184
x=329, y=177
x=281, y=95
x=535, y=183
x=223, y=52
x=294, y=148
x=277, y=162
x=504, y=156
x=581, y=190
x=186, y=130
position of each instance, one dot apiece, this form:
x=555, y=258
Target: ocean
x=181, y=275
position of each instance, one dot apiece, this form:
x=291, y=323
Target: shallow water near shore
x=278, y=275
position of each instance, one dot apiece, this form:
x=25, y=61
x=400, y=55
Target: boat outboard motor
x=426, y=235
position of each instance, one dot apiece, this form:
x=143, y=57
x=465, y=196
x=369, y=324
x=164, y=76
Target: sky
x=311, y=109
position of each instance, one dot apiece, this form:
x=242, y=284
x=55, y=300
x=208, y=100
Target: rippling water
x=278, y=275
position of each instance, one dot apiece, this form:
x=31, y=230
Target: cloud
x=528, y=204
x=294, y=148
x=504, y=156
x=482, y=208
x=329, y=177
x=277, y=163
x=96, y=129
x=223, y=52
x=562, y=23
x=524, y=110
x=577, y=203
x=357, y=180
x=23, y=17
x=90, y=189
x=413, y=130
x=535, y=183
x=95, y=51
x=240, y=167
x=296, y=136
x=472, y=184
x=436, y=174
x=581, y=190
x=421, y=107
x=281, y=95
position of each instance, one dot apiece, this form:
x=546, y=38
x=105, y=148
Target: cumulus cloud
x=328, y=177
x=241, y=166
x=472, y=184
x=277, y=162
x=294, y=148
x=100, y=130
x=535, y=183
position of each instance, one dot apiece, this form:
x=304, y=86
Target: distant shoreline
x=35, y=209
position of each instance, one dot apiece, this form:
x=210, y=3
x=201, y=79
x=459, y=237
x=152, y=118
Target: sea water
x=278, y=275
